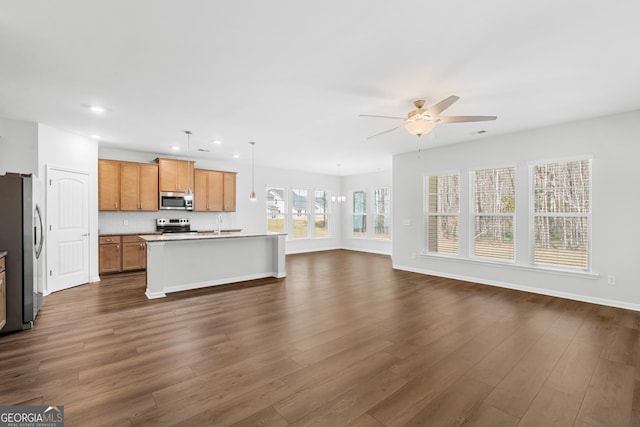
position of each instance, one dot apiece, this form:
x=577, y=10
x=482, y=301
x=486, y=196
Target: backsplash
x=145, y=222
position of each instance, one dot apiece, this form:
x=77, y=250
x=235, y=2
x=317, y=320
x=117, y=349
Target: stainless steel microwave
x=175, y=201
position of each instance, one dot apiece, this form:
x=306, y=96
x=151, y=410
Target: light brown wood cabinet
x=110, y=254
x=122, y=253
x=3, y=294
x=214, y=191
x=138, y=187
x=108, y=185
x=175, y=175
x=134, y=253
x=208, y=190
x=229, y=192
x=127, y=186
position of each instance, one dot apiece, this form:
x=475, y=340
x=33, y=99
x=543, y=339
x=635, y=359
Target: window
x=381, y=212
x=300, y=213
x=360, y=213
x=276, y=210
x=442, y=206
x=321, y=214
x=494, y=205
x=561, y=213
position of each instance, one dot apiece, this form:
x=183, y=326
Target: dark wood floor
x=343, y=340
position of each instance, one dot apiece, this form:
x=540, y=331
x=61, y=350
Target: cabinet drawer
x=131, y=239
x=2, y=264
x=109, y=239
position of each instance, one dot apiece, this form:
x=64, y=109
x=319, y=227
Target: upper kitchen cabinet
x=229, y=191
x=208, y=190
x=138, y=187
x=108, y=185
x=175, y=175
x=214, y=191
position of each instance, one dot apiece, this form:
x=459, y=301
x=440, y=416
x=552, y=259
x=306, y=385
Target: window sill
x=512, y=265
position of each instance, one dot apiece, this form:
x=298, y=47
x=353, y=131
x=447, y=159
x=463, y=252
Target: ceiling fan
x=422, y=120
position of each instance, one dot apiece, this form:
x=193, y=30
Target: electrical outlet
x=611, y=280
x=125, y=222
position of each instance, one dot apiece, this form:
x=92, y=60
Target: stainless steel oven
x=175, y=201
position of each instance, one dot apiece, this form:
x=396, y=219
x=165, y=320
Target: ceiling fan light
x=419, y=126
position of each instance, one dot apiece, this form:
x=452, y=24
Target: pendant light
x=188, y=195
x=252, y=195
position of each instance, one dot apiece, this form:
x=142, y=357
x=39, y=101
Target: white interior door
x=68, y=229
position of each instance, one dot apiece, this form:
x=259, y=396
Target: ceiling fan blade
x=386, y=131
x=383, y=117
x=442, y=105
x=459, y=119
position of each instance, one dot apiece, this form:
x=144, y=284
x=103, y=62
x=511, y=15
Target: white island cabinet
x=182, y=261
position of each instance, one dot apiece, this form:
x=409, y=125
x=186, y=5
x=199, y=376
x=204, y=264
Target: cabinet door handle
x=116, y=205
x=117, y=247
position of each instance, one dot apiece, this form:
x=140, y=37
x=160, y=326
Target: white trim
x=427, y=214
x=532, y=214
x=371, y=251
x=512, y=265
x=473, y=214
x=226, y=281
x=154, y=295
x=560, y=159
x=548, y=292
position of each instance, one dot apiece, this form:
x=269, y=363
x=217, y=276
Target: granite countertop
x=175, y=237
x=3, y=253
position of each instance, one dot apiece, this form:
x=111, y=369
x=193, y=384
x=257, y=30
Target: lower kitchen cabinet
x=134, y=253
x=110, y=254
x=122, y=253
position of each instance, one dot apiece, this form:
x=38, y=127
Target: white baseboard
x=548, y=292
x=369, y=251
x=306, y=251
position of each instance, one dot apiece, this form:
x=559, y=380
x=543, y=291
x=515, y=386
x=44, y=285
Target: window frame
x=306, y=215
x=427, y=215
x=473, y=214
x=327, y=214
x=386, y=215
x=362, y=214
x=284, y=211
x=533, y=214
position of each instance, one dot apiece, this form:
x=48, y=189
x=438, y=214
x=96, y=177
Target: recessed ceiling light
x=236, y=156
x=216, y=142
x=175, y=147
x=97, y=109
x=95, y=136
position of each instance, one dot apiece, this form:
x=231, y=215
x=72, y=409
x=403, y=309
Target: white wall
x=368, y=182
x=65, y=150
x=611, y=141
x=249, y=216
x=18, y=146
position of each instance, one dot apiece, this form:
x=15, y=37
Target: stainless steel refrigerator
x=21, y=234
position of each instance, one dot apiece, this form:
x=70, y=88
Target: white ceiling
x=294, y=75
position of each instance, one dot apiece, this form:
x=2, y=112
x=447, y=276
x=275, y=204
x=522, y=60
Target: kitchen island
x=182, y=261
